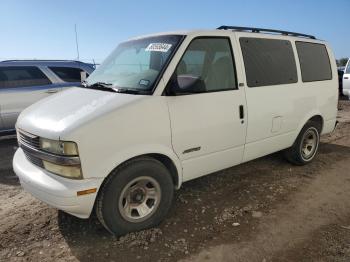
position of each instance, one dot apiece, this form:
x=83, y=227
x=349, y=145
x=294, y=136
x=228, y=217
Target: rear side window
x=268, y=61
x=314, y=62
x=67, y=74
x=22, y=76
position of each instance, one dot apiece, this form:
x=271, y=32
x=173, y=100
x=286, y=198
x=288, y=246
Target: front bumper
x=54, y=190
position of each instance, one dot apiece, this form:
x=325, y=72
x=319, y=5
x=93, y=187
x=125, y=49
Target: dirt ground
x=264, y=210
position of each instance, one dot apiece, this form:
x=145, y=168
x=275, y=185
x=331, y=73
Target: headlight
x=59, y=147
x=61, y=163
x=66, y=171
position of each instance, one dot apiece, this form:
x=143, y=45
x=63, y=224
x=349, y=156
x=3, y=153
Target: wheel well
x=319, y=120
x=169, y=164
x=166, y=161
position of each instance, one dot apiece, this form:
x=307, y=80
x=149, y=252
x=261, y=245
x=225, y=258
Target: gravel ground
x=264, y=210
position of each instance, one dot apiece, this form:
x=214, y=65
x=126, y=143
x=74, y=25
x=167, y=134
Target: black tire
x=108, y=208
x=295, y=153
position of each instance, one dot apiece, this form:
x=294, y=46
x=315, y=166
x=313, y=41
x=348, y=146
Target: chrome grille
x=36, y=161
x=31, y=141
x=28, y=139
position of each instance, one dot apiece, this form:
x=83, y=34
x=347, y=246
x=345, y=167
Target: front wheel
x=305, y=146
x=136, y=196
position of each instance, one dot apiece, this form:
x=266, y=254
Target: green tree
x=342, y=61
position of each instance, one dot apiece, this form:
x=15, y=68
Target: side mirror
x=186, y=84
x=82, y=76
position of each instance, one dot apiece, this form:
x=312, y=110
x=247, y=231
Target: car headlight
x=64, y=160
x=59, y=147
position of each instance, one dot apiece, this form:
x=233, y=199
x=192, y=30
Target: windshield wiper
x=111, y=88
x=129, y=90
x=99, y=85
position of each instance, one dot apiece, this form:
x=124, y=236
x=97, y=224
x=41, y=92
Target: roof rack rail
x=258, y=30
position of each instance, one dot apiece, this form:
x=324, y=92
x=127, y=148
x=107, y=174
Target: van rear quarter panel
x=325, y=93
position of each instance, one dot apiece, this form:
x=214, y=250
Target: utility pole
x=76, y=41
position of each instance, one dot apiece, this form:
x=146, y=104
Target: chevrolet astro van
x=167, y=108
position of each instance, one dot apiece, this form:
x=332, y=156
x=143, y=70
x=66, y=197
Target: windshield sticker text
x=158, y=47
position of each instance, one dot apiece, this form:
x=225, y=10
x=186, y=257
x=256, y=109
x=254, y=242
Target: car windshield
x=136, y=64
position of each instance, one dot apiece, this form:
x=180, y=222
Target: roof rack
x=258, y=30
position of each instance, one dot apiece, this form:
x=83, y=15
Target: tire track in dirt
x=324, y=201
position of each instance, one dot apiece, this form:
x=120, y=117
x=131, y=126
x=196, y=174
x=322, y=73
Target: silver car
x=22, y=83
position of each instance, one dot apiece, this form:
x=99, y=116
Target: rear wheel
x=305, y=146
x=136, y=196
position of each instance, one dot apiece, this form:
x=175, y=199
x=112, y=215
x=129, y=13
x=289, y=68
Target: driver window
x=206, y=66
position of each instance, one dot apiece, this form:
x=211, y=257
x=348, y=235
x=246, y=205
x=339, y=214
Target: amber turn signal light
x=87, y=191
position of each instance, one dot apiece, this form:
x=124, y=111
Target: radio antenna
x=76, y=41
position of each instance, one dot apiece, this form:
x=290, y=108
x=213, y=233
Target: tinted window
x=15, y=76
x=314, y=62
x=268, y=61
x=194, y=60
x=208, y=65
x=348, y=69
x=67, y=74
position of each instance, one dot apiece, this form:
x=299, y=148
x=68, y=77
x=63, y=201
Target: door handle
x=346, y=77
x=51, y=91
x=241, y=113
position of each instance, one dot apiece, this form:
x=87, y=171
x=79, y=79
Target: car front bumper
x=54, y=190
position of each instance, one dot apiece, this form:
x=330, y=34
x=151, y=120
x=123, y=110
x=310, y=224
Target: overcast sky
x=45, y=29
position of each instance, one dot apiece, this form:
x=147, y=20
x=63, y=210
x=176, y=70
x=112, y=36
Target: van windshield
x=135, y=65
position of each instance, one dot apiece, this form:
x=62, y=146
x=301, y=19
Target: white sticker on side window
x=158, y=47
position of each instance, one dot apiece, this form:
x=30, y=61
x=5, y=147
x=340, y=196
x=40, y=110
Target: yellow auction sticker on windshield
x=158, y=47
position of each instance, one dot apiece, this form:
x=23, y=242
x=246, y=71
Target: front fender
x=111, y=162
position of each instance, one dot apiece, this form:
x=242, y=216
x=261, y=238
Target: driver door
x=208, y=118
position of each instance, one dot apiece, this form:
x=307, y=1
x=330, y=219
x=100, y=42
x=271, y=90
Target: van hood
x=63, y=112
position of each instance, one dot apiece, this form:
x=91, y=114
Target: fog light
x=65, y=171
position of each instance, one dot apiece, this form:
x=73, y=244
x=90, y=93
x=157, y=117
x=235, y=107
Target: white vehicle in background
x=167, y=108
x=346, y=80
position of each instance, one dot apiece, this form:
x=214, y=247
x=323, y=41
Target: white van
x=167, y=108
x=346, y=80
